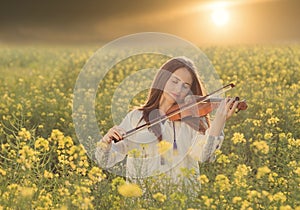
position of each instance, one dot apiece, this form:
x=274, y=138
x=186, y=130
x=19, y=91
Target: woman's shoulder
x=135, y=113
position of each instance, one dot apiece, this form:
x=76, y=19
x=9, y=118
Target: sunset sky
x=199, y=21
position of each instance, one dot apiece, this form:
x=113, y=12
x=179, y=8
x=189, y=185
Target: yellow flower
x=27, y=156
x=42, y=143
x=279, y=197
x=24, y=134
x=203, y=179
x=223, y=159
x=130, y=190
x=238, y=138
x=269, y=111
x=297, y=171
x=135, y=153
x=293, y=142
x=163, y=146
x=2, y=172
x=96, y=175
x=207, y=201
x=241, y=171
x=63, y=192
x=116, y=182
x=261, y=171
x=236, y=199
x=268, y=135
x=222, y=182
x=253, y=194
x=159, y=197
x=273, y=120
x=48, y=175
x=287, y=207
x=26, y=191
x=56, y=135
x=245, y=204
x=271, y=176
x=261, y=146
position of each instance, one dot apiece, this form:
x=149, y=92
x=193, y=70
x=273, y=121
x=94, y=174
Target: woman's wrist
x=216, y=128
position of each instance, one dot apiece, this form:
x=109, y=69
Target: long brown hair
x=151, y=107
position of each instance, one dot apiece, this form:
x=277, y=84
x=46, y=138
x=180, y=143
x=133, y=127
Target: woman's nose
x=178, y=88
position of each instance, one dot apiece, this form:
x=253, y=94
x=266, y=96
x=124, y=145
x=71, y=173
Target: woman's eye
x=175, y=81
x=186, y=86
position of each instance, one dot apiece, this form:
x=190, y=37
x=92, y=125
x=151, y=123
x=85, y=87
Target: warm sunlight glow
x=220, y=16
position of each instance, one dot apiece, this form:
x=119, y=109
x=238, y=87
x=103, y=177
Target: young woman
x=169, y=146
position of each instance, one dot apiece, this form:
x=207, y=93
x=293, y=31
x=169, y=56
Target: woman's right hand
x=115, y=132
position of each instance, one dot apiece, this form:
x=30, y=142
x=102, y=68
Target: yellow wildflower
x=261, y=146
x=130, y=190
x=222, y=182
x=26, y=191
x=236, y=199
x=63, y=192
x=245, y=205
x=223, y=159
x=41, y=144
x=253, y=194
x=241, y=171
x=273, y=120
x=238, y=138
x=287, y=207
x=24, y=134
x=207, y=200
x=293, y=142
x=27, y=156
x=48, y=175
x=163, y=146
x=297, y=171
x=96, y=175
x=56, y=135
x=268, y=136
x=159, y=197
x=135, y=153
x=261, y=171
x=203, y=179
x=269, y=111
x=279, y=197
x=2, y=172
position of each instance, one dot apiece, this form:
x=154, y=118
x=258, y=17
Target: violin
x=203, y=108
x=204, y=105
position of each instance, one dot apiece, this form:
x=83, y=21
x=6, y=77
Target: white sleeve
x=204, y=146
x=108, y=156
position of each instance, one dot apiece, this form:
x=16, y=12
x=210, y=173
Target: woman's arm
x=108, y=154
x=205, y=145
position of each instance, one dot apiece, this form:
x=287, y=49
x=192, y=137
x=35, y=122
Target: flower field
x=43, y=166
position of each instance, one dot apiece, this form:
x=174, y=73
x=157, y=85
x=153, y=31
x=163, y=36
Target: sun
x=220, y=16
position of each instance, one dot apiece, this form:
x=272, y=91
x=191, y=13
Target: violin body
x=200, y=109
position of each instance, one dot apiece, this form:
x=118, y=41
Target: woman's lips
x=175, y=95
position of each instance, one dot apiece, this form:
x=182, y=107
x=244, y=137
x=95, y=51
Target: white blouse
x=144, y=158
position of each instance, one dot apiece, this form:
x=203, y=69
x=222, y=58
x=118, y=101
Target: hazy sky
x=78, y=21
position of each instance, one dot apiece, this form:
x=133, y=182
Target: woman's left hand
x=224, y=112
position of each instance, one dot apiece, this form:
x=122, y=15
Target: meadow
x=44, y=166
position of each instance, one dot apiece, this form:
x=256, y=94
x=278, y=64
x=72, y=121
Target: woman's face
x=178, y=86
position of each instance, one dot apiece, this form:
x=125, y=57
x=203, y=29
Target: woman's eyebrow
x=181, y=80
